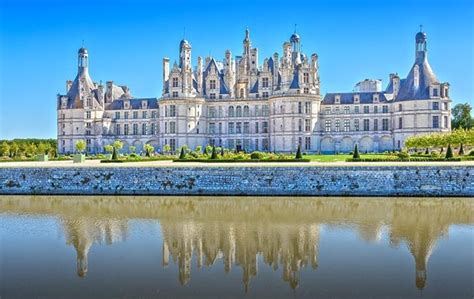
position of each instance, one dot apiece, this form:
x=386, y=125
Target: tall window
x=242, y=93
x=175, y=82
x=385, y=109
x=435, y=121
x=328, y=125
x=400, y=122
x=300, y=125
x=256, y=127
x=337, y=125
x=174, y=95
x=307, y=125
x=172, y=110
x=435, y=105
x=376, y=124
x=172, y=127
x=307, y=143
x=125, y=129
x=238, y=111
x=246, y=111
x=300, y=107
x=356, y=124
x=231, y=128
x=212, y=112
x=144, y=129
x=212, y=84
x=246, y=128
x=265, y=127
x=347, y=110
x=88, y=114
x=366, y=125
x=446, y=123
x=366, y=109
x=135, y=129
x=220, y=128
x=264, y=82
x=117, y=115
x=238, y=128
x=376, y=109
x=347, y=125
x=212, y=128
x=305, y=78
x=400, y=107
x=231, y=111
x=265, y=94
x=356, y=109
x=153, y=114
x=153, y=129
x=265, y=110
x=307, y=107
x=117, y=129
x=173, y=144
x=385, y=124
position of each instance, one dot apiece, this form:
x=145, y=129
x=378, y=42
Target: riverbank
x=252, y=179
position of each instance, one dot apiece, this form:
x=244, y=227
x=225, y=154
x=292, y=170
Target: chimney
x=68, y=85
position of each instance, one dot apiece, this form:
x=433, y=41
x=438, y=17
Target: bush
x=356, y=154
x=471, y=153
x=403, y=155
x=449, y=152
x=257, y=156
x=214, y=153
x=182, y=155
x=298, y=153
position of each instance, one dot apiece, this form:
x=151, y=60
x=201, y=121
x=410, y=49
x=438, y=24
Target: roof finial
x=421, y=28
x=83, y=43
x=295, y=27
x=184, y=32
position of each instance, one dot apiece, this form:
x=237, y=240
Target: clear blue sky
x=127, y=40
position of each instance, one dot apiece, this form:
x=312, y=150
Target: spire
x=246, y=42
x=421, y=49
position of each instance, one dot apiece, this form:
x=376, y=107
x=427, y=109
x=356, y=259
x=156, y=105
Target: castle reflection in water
x=285, y=232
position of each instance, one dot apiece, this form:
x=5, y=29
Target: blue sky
x=127, y=40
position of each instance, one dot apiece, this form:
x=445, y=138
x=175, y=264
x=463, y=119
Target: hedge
x=415, y=159
x=140, y=160
x=238, y=161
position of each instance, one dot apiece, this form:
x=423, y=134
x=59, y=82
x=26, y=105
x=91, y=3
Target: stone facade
x=290, y=181
x=238, y=104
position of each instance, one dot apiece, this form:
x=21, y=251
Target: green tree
x=148, y=149
x=208, y=150
x=299, y=156
x=4, y=149
x=14, y=149
x=198, y=149
x=462, y=117
x=166, y=148
x=80, y=146
x=449, y=152
x=132, y=148
x=117, y=146
x=41, y=149
x=356, y=154
x=108, y=148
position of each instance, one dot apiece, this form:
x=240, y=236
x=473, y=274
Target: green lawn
x=336, y=158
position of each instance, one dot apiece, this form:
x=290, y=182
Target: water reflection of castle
x=284, y=232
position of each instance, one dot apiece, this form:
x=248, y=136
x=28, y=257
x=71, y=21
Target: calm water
x=226, y=247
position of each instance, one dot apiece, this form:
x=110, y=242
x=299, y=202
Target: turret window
x=265, y=94
x=212, y=84
x=175, y=82
x=175, y=94
x=264, y=82
x=212, y=96
x=305, y=78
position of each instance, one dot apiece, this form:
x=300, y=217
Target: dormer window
x=126, y=105
x=175, y=82
x=264, y=82
x=305, y=78
x=375, y=98
x=144, y=104
x=212, y=85
x=337, y=99
x=356, y=98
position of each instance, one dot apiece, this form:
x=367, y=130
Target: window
x=265, y=144
x=212, y=128
x=366, y=109
x=89, y=102
x=212, y=96
x=327, y=110
x=117, y=129
x=88, y=125
x=265, y=127
x=435, y=92
x=238, y=111
x=435, y=105
x=88, y=132
x=145, y=114
x=256, y=127
x=328, y=125
x=242, y=93
x=265, y=94
x=246, y=111
x=153, y=129
x=166, y=128
x=400, y=122
x=307, y=143
x=172, y=110
x=172, y=127
x=238, y=128
x=117, y=115
x=446, y=123
x=212, y=84
x=135, y=114
x=385, y=124
x=256, y=144
x=135, y=129
x=212, y=112
x=300, y=107
x=356, y=124
x=400, y=107
x=385, y=109
x=306, y=90
x=357, y=109
x=125, y=115
x=376, y=109
x=307, y=125
x=366, y=125
x=125, y=129
x=144, y=129
x=265, y=110
x=337, y=125
x=435, y=122
x=347, y=110
x=445, y=106
x=173, y=144
x=305, y=78
x=231, y=111
x=88, y=114
x=376, y=124
x=336, y=110
x=175, y=82
x=264, y=82
x=307, y=107
x=230, y=143
x=246, y=128
x=175, y=95
x=300, y=125
x=230, y=128
x=347, y=125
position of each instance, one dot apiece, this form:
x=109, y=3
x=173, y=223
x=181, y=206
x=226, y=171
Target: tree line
x=28, y=147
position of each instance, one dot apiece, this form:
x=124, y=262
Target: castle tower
x=185, y=66
x=420, y=45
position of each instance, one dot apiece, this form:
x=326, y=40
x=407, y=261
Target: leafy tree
x=166, y=148
x=298, y=153
x=4, y=149
x=214, y=153
x=109, y=148
x=149, y=149
x=449, y=152
x=356, y=154
x=41, y=149
x=14, y=149
x=118, y=145
x=182, y=155
x=462, y=117
x=132, y=149
x=80, y=146
x=198, y=149
x=208, y=150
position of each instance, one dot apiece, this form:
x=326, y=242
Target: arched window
x=231, y=111
x=242, y=93
x=246, y=111
x=238, y=111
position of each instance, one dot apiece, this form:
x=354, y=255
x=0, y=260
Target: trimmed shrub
x=257, y=155
x=356, y=154
x=214, y=153
x=299, y=156
x=461, y=150
x=403, y=155
x=471, y=153
x=182, y=155
x=449, y=152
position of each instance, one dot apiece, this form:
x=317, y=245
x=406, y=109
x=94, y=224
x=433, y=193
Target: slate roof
x=408, y=90
x=348, y=98
x=134, y=104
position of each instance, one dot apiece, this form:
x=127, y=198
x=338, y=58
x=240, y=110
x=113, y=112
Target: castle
x=238, y=104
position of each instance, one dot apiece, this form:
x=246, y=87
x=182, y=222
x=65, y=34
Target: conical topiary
x=222, y=152
x=356, y=154
x=461, y=150
x=182, y=155
x=114, y=154
x=214, y=153
x=449, y=152
x=299, y=156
